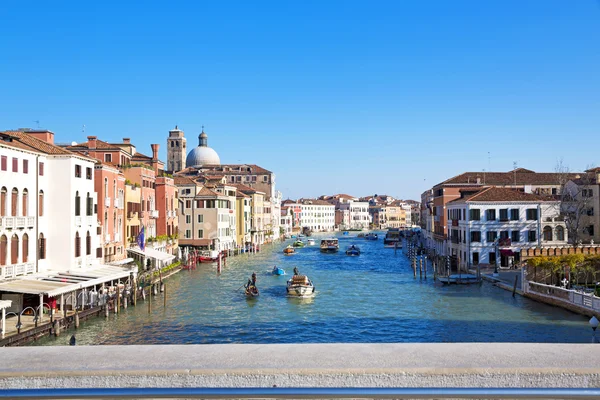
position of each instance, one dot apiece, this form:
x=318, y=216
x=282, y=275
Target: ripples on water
x=369, y=298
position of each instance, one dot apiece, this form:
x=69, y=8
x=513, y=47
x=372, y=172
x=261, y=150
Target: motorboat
x=289, y=250
x=252, y=291
x=208, y=256
x=392, y=238
x=460, y=279
x=298, y=243
x=311, y=242
x=360, y=235
x=300, y=286
x=329, y=245
x=278, y=271
x=371, y=236
x=353, y=251
x=345, y=233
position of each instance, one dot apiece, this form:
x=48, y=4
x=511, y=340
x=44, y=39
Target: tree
x=574, y=200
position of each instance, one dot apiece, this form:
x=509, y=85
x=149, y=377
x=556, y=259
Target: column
x=3, y=325
x=41, y=312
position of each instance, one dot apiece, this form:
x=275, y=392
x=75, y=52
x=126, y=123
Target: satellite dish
x=73, y=143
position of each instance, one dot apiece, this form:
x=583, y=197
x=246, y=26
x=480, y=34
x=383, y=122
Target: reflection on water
x=369, y=298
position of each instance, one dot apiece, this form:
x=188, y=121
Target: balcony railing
x=117, y=203
x=14, y=270
x=30, y=222
x=106, y=237
x=77, y=221
x=107, y=202
x=89, y=220
x=153, y=213
x=17, y=222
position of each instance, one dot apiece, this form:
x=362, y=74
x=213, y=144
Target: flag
x=141, y=240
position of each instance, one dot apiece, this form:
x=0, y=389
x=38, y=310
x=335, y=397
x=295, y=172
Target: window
x=3, y=198
x=587, y=193
x=14, y=249
x=474, y=215
x=3, y=249
x=188, y=234
x=503, y=234
x=200, y=234
x=4, y=162
x=590, y=211
x=504, y=214
x=490, y=215
x=560, y=233
x=532, y=214
x=88, y=173
x=15, y=164
x=25, y=246
x=77, y=171
x=77, y=204
x=515, y=236
x=475, y=258
x=491, y=236
x=514, y=214
x=88, y=244
x=547, y=234
x=475, y=236
x=188, y=219
x=265, y=178
x=531, y=236
x=25, y=166
x=200, y=218
x=188, y=204
x=24, y=201
x=589, y=230
x=172, y=144
x=14, y=202
x=41, y=203
x=492, y=257
x=77, y=245
x=41, y=169
x=108, y=157
x=89, y=205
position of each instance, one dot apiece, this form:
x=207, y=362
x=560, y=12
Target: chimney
x=154, y=151
x=126, y=140
x=91, y=142
x=44, y=135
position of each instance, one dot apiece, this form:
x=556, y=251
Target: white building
x=501, y=220
x=286, y=221
x=48, y=220
x=359, y=215
x=317, y=215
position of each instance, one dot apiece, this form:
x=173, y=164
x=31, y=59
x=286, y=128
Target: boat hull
x=300, y=290
x=329, y=249
x=278, y=271
x=352, y=253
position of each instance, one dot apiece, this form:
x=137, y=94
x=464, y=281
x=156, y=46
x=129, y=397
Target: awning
x=56, y=283
x=122, y=262
x=149, y=252
x=5, y=304
x=507, y=253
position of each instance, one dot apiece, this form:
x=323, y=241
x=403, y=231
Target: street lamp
x=594, y=324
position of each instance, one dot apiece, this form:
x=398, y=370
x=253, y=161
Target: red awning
x=507, y=253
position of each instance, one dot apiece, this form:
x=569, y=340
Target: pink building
x=109, y=183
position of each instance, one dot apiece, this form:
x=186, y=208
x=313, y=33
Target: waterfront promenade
x=512, y=365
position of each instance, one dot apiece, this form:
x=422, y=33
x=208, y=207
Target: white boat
x=300, y=286
x=329, y=245
x=311, y=242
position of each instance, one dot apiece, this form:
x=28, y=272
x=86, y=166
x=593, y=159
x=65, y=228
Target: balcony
x=78, y=221
x=107, y=202
x=30, y=222
x=132, y=214
x=154, y=214
x=117, y=203
x=14, y=270
x=106, y=237
x=89, y=220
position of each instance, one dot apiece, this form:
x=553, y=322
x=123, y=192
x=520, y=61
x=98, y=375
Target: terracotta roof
x=520, y=176
x=183, y=180
x=343, y=196
x=207, y=192
x=501, y=194
x=314, y=202
x=255, y=169
x=240, y=195
x=100, y=145
x=140, y=156
x=29, y=142
x=288, y=201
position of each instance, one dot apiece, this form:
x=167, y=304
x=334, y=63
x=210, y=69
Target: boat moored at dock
x=329, y=245
x=392, y=238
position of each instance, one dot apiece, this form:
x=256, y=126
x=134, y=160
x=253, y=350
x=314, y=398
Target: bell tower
x=176, y=150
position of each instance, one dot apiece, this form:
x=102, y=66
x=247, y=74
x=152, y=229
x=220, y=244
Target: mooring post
x=118, y=302
x=421, y=268
x=165, y=295
x=150, y=299
x=515, y=286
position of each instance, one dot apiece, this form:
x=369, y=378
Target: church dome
x=202, y=155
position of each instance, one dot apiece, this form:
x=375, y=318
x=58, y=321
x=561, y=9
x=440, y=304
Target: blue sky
x=333, y=96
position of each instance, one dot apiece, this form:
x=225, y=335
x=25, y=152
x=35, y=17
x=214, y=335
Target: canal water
x=366, y=299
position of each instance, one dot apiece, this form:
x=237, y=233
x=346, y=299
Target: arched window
x=3, y=199
x=25, y=248
x=77, y=204
x=105, y=222
x=560, y=233
x=14, y=202
x=89, y=205
x=41, y=203
x=105, y=187
x=547, y=234
x=88, y=244
x=77, y=245
x=3, y=249
x=115, y=223
x=42, y=247
x=14, y=249
x=115, y=188
x=25, y=200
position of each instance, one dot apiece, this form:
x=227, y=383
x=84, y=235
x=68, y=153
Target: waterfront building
x=46, y=229
x=396, y=215
x=257, y=225
x=448, y=190
x=133, y=207
x=342, y=217
x=379, y=215
x=359, y=215
x=176, y=150
x=244, y=218
x=317, y=215
x=109, y=184
x=581, y=201
x=268, y=221
x=144, y=177
x=286, y=221
x=296, y=213
x=207, y=217
x=495, y=224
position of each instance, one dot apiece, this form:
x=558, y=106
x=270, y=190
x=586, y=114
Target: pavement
x=303, y=365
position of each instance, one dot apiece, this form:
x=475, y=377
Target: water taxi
x=329, y=245
x=353, y=251
x=300, y=286
x=298, y=243
x=311, y=242
x=392, y=238
x=289, y=250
